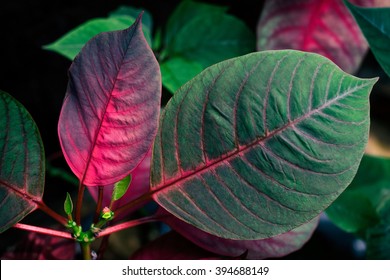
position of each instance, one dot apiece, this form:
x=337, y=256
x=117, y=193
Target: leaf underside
x=110, y=113
x=21, y=163
x=258, y=145
x=320, y=26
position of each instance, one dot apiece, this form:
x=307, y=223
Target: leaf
x=185, y=12
x=22, y=166
x=72, y=42
x=375, y=24
x=110, y=113
x=42, y=247
x=147, y=21
x=68, y=204
x=199, y=35
x=324, y=27
x=139, y=185
x=170, y=70
x=274, y=247
x=258, y=145
x=378, y=242
x=121, y=187
x=356, y=209
x=172, y=246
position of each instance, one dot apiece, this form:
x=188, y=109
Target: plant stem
x=42, y=206
x=144, y=198
x=79, y=203
x=129, y=224
x=46, y=231
x=86, y=250
x=99, y=205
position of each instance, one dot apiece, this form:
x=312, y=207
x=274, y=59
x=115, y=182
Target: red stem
x=129, y=224
x=131, y=204
x=42, y=206
x=47, y=231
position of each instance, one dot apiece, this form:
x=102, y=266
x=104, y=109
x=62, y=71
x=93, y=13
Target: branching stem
x=46, y=231
x=43, y=207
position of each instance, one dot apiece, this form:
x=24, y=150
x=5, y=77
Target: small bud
x=107, y=214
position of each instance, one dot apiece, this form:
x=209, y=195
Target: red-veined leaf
x=257, y=145
x=110, y=113
x=22, y=168
x=322, y=26
x=273, y=247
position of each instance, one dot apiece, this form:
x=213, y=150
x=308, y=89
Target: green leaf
x=201, y=34
x=72, y=42
x=177, y=71
x=147, y=20
x=22, y=165
x=68, y=204
x=121, y=187
x=357, y=208
x=187, y=11
x=257, y=145
x=375, y=25
x=353, y=212
x=378, y=242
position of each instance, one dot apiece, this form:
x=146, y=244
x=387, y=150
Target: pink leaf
x=321, y=26
x=139, y=186
x=273, y=247
x=110, y=113
x=172, y=246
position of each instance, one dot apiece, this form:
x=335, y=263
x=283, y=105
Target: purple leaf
x=322, y=26
x=22, y=166
x=273, y=247
x=110, y=113
x=172, y=246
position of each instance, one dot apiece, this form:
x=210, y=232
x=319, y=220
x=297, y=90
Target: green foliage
x=121, y=187
x=72, y=42
x=364, y=206
x=375, y=24
x=68, y=205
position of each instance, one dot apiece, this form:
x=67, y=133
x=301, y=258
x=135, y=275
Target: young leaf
x=375, y=24
x=72, y=42
x=257, y=145
x=22, y=166
x=324, y=27
x=110, y=113
x=68, y=204
x=274, y=247
x=356, y=208
x=121, y=187
x=201, y=34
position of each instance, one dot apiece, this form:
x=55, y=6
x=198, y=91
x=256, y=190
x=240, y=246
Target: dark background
x=38, y=79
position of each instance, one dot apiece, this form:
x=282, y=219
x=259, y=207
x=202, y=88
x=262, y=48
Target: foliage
x=245, y=156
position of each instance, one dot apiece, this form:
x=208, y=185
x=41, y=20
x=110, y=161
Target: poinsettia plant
x=241, y=161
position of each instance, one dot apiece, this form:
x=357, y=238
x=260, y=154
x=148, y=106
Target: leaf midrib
x=259, y=141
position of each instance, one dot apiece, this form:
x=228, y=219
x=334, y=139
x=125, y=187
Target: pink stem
x=79, y=203
x=131, y=204
x=99, y=205
x=129, y=224
x=47, y=231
